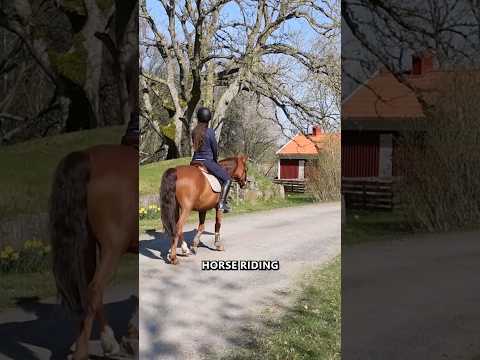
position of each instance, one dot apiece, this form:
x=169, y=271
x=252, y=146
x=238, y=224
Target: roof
x=383, y=96
x=303, y=145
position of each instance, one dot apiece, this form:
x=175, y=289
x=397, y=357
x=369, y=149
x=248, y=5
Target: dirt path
x=414, y=298
x=186, y=313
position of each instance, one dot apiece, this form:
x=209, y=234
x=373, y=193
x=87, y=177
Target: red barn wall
x=289, y=168
x=360, y=154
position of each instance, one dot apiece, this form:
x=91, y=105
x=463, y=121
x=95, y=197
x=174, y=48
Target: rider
x=206, y=151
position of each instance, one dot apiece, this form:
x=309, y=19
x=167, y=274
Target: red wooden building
x=294, y=156
x=376, y=111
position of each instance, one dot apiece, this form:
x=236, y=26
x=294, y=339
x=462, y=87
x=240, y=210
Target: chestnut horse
x=183, y=189
x=93, y=203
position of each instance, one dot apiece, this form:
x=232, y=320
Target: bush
x=439, y=168
x=33, y=257
x=324, y=173
x=149, y=212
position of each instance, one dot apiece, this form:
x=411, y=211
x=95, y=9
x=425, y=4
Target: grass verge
x=42, y=284
x=27, y=168
x=366, y=226
x=310, y=329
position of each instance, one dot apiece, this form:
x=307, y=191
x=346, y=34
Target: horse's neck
x=230, y=164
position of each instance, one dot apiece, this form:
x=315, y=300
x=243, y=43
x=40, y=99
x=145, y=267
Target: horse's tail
x=168, y=201
x=71, y=240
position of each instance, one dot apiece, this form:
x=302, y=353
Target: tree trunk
x=222, y=106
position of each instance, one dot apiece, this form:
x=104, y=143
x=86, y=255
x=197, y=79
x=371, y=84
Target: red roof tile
x=301, y=145
x=384, y=96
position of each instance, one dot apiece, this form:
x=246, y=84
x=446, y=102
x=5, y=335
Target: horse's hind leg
x=107, y=337
x=218, y=223
x=184, y=246
x=108, y=264
x=178, y=232
x=200, y=230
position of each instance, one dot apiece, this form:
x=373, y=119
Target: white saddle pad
x=214, y=183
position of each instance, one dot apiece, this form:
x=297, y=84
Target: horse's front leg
x=218, y=223
x=200, y=230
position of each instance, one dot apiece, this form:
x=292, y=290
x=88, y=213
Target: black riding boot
x=223, y=205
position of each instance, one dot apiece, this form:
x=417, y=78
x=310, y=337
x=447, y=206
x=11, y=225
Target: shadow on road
x=54, y=330
x=161, y=243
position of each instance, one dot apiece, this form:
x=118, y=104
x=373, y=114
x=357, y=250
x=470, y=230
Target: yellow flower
x=8, y=250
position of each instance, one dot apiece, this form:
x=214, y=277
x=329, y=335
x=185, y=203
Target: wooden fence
x=292, y=186
x=369, y=193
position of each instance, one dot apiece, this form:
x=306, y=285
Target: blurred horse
x=183, y=189
x=93, y=222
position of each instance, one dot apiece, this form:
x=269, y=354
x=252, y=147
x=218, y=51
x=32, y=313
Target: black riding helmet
x=204, y=115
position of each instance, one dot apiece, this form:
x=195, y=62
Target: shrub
x=34, y=256
x=149, y=212
x=439, y=188
x=324, y=173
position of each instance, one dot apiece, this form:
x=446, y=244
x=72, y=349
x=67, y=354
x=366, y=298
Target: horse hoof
x=220, y=247
x=194, y=250
x=174, y=261
x=110, y=346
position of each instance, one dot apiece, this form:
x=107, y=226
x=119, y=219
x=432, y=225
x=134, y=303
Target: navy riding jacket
x=209, y=148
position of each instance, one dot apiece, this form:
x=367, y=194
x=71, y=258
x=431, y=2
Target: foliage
x=34, y=256
x=72, y=64
x=324, y=173
x=149, y=212
x=438, y=161
x=75, y=6
x=104, y=5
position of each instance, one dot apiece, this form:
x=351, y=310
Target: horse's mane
x=230, y=163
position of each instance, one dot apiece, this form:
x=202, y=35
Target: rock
x=268, y=194
x=279, y=191
x=252, y=195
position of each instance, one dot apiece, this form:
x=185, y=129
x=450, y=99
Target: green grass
x=42, y=285
x=366, y=226
x=310, y=329
x=151, y=174
x=27, y=168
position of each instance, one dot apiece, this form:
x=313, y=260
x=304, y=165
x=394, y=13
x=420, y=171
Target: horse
x=183, y=189
x=93, y=216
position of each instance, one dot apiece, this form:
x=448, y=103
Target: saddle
x=212, y=180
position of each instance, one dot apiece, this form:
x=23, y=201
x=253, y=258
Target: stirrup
x=224, y=207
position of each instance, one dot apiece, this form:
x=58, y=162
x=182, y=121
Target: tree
x=211, y=51
x=89, y=42
x=246, y=132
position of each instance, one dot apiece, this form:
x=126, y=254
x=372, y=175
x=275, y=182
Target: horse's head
x=240, y=172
